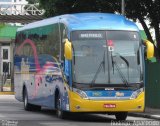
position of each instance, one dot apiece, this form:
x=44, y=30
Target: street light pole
x=123, y=7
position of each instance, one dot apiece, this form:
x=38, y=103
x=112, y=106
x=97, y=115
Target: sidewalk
x=149, y=113
x=7, y=93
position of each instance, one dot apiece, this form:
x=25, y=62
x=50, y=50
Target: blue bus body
x=41, y=69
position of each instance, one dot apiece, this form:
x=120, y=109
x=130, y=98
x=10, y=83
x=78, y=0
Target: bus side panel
x=38, y=67
x=17, y=69
x=41, y=55
x=18, y=87
x=52, y=73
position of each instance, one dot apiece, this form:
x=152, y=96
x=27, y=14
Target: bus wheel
x=59, y=112
x=27, y=106
x=121, y=115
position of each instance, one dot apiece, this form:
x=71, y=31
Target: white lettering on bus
x=91, y=35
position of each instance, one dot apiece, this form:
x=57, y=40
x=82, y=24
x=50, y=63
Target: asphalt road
x=13, y=114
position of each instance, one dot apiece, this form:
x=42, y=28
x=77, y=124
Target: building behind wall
x=7, y=37
x=14, y=1
x=9, y=8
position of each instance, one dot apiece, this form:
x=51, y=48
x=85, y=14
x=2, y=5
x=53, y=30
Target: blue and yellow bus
x=85, y=63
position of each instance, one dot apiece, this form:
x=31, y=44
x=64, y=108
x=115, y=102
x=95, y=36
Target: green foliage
x=146, y=10
x=32, y=1
x=135, y=9
x=58, y=7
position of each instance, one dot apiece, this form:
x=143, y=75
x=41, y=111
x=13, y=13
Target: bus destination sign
x=83, y=35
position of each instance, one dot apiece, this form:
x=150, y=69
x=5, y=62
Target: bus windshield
x=106, y=57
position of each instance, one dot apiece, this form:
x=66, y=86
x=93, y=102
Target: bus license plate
x=109, y=105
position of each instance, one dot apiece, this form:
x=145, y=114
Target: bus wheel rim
x=58, y=107
x=25, y=100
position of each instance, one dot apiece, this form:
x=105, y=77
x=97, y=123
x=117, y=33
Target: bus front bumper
x=77, y=104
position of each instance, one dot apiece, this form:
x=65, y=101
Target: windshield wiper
x=119, y=70
x=102, y=64
x=127, y=63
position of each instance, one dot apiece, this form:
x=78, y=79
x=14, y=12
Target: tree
x=146, y=10
x=58, y=7
x=135, y=9
x=32, y=1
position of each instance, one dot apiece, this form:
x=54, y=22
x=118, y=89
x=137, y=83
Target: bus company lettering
x=119, y=94
x=91, y=35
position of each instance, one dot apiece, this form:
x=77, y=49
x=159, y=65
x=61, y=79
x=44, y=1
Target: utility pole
x=122, y=7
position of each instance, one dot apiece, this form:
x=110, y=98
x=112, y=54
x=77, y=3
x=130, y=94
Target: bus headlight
x=136, y=93
x=81, y=93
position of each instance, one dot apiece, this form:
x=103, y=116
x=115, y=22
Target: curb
x=144, y=115
x=6, y=93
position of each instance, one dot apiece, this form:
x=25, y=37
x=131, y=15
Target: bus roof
x=87, y=21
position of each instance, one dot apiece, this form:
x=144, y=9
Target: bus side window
x=63, y=37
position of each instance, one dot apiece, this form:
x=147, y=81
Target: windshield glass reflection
x=94, y=48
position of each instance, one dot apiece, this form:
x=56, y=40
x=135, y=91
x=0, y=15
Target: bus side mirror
x=68, y=50
x=149, y=51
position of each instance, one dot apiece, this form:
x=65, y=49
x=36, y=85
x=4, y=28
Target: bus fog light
x=139, y=107
x=78, y=107
x=136, y=93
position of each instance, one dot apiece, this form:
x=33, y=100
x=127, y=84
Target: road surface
x=13, y=114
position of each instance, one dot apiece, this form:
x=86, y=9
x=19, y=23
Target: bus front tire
x=59, y=112
x=121, y=115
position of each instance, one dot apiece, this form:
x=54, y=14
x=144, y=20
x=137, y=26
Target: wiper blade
x=127, y=63
x=121, y=74
x=102, y=64
x=112, y=62
x=119, y=70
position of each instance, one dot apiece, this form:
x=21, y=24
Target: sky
x=141, y=28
